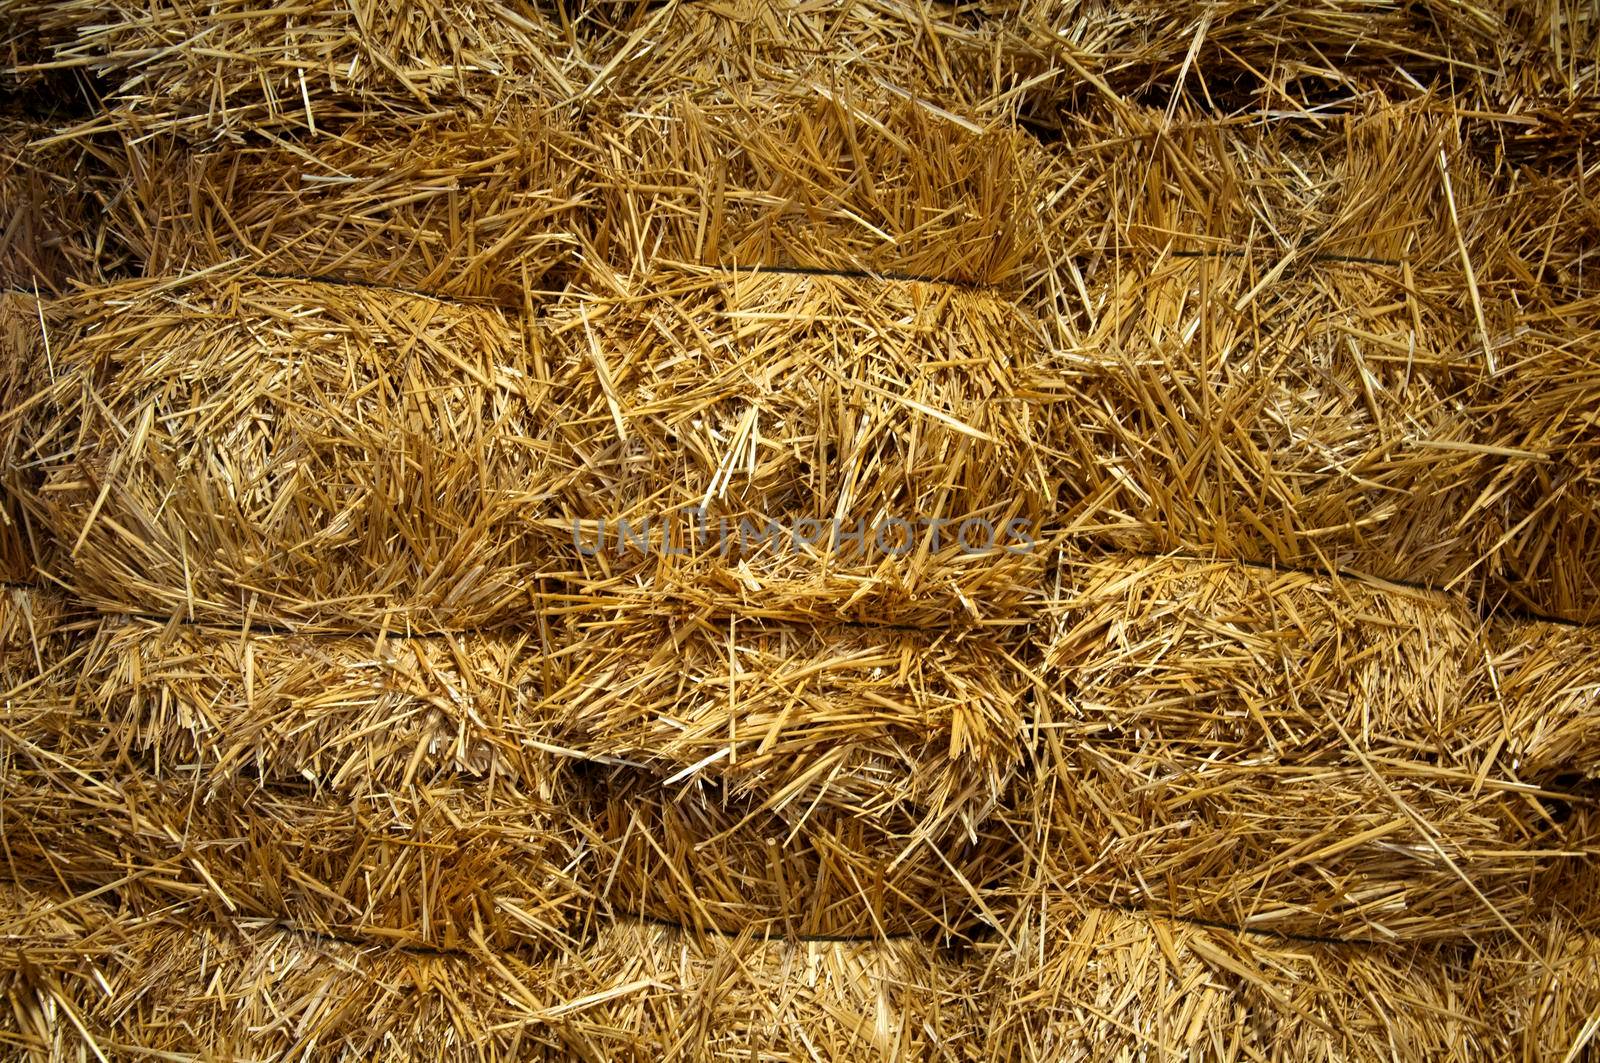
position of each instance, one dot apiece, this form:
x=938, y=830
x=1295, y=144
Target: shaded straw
x=695, y=855
x=477, y=207
x=648, y=992
x=1079, y=983
x=51, y=232
x=848, y=414
x=208, y=68
x=871, y=183
x=291, y=452
x=24, y=367
x=82, y=980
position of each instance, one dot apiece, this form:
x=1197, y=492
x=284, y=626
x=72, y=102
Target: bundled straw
x=1279, y=751
x=692, y=855
x=83, y=981
x=351, y=714
x=296, y=453
x=1250, y=661
x=41, y=646
x=795, y=446
x=1314, y=422
x=1248, y=54
x=1546, y=998
x=1093, y=984
x=826, y=182
x=644, y=993
x=477, y=207
x=437, y=864
x=647, y=51
x=1548, y=709
x=1377, y=852
x=799, y=717
x=1543, y=504
x=219, y=67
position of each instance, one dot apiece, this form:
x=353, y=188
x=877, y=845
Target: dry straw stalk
x=296, y=453
x=477, y=207
x=847, y=403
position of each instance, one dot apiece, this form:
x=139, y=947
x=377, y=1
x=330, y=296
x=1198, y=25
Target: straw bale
x=645, y=992
x=83, y=981
x=433, y=864
x=477, y=207
x=1378, y=852
x=1542, y=505
x=1217, y=406
x=1544, y=993
x=645, y=51
x=1248, y=660
x=823, y=406
x=696, y=856
x=222, y=67
x=877, y=184
x=1078, y=983
x=1300, y=58
x=799, y=717
x=352, y=714
x=296, y=453
x=1548, y=709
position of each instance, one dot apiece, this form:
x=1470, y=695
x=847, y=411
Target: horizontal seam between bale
x=859, y=274
x=857, y=939
x=1322, y=256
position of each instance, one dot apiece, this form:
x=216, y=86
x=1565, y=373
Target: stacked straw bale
x=475, y=207
x=296, y=453
x=83, y=980
x=239, y=67
x=646, y=992
x=1280, y=751
x=1095, y=984
x=814, y=181
x=705, y=405
x=343, y=719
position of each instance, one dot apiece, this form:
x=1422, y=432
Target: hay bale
x=1548, y=709
x=1404, y=852
x=477, y=207
x=1545, y=992
x=799, y=717
x=1278, y=751
x=42, y=642
x=697, y=856
x=296, y=453
x=794, y=438
x=217, y=68
x=82, y=980
x=1249, y=660
x=646, y=992
x=435, y=865
x=24, y=367
x=350, y=714
x=879, y=185
x=1081, y=983
x=1250, y=55
x=648, y=51
x=1317, y=423
x=1543, y=504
